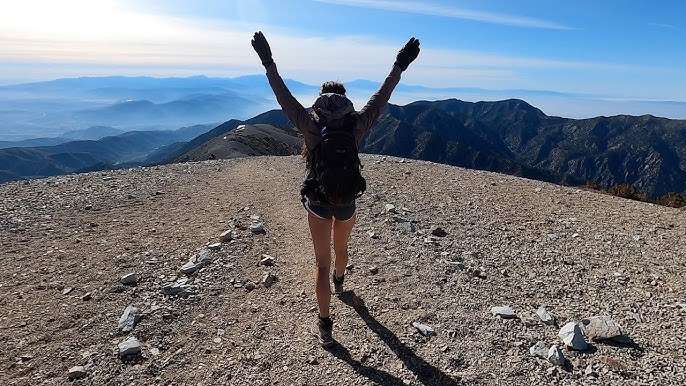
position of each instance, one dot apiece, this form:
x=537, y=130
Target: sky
x=623, y=49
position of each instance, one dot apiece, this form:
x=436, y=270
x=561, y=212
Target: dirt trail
x=509, y=241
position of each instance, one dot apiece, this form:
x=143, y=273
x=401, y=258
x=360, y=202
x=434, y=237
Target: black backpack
x=335, y=165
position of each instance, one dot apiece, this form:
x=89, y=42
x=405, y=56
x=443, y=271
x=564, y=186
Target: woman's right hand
x=261, y=46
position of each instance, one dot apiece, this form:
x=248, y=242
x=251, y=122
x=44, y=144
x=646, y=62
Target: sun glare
x=79, y=20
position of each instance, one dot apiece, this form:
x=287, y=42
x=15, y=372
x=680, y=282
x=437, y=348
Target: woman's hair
x=332, y=87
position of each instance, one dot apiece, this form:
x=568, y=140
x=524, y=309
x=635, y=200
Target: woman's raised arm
x=291, y=107
x=371, y=111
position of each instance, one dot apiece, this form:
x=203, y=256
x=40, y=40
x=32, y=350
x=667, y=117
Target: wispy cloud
x=431, y=9
x=156, y=44
x=666, y=26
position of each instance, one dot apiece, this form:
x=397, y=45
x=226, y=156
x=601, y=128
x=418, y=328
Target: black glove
x=261, y=46
x=407, y=54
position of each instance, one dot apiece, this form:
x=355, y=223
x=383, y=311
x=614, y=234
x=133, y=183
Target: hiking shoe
x=324, y=332
x=337, y=283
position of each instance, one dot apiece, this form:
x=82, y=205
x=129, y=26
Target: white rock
x=573, y=337
x=129, y=279
x=505, y=312
x=600, y=328
x=539, y=350
x=556, y=356
x=545, y=316
x=423, y=329
x=214, y=246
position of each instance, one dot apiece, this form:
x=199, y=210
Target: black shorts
x=327, y=212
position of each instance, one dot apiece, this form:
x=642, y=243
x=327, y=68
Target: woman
x=326, y=218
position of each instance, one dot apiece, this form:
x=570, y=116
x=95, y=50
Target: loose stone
x=505, y=312
x=129, y=279
x=573, y=337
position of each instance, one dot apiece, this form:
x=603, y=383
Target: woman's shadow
x=425, y=372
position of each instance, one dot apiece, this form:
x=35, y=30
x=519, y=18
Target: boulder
x=600, y=328
x=573, y=337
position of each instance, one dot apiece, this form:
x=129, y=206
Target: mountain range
x=91, y=133
x=508, y=136
x=513, y=137
x=48, y=109
x=130, y=148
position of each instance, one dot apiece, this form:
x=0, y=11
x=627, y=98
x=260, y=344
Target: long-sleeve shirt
x=304, y=122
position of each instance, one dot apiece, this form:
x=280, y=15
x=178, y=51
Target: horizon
x=550, y=102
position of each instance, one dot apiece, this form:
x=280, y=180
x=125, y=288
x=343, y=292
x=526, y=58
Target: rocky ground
x=67, y=241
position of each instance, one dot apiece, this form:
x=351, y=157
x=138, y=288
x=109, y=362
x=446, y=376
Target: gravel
x=493, y=228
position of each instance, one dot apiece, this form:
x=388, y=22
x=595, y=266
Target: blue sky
x=619, y=49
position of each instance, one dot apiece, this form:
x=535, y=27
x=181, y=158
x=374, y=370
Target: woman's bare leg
x=341, y=235
x=321, y=238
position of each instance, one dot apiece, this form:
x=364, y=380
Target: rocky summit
x=415, y=312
